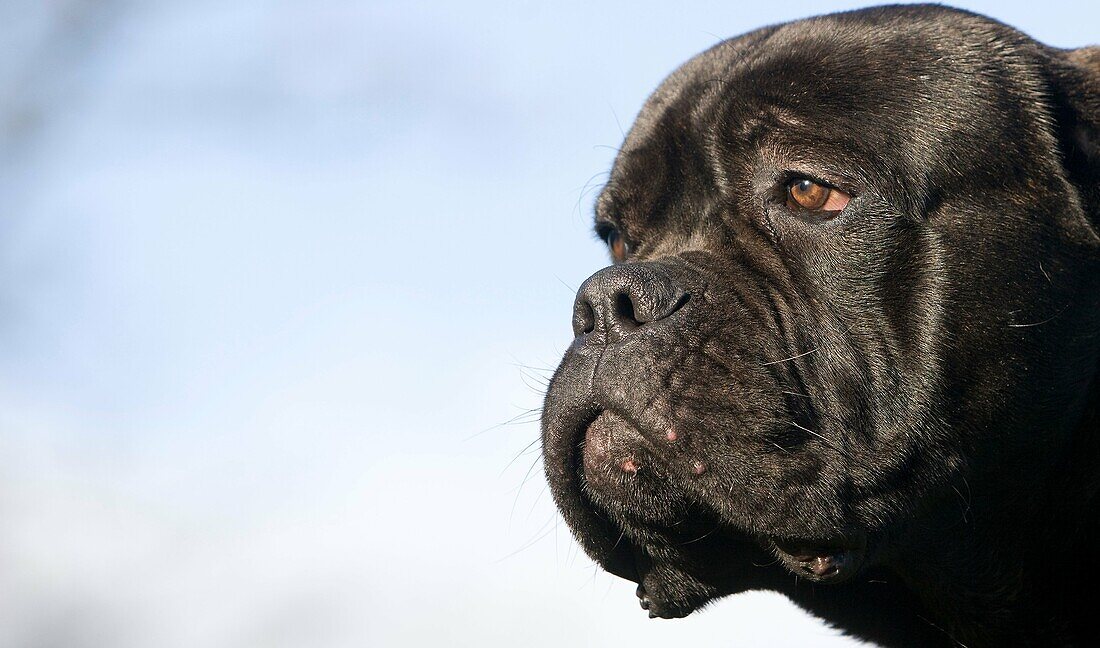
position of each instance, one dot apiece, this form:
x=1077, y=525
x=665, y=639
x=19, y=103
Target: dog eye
x=805, y=194
x=617, y=245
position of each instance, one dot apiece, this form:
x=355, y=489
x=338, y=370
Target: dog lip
x=563, y=436
x=659, y=610
x=830, y=561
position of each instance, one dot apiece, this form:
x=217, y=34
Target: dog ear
x=1075, y=94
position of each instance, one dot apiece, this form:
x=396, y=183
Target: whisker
x=535, y=504
x=523, y=365
x=519, y=491
x=535, y=383
x=702, y=536
x=824, y=440
x=1042, y=322
x=571, y=289
x=780, y=447
x=794, y=357
x=530, y=543
x=518, y=418
x=586, y=189
x=617, y=122
x=522, y=452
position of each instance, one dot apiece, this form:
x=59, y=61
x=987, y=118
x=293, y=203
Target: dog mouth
x=638, y=518
x=832, y=561
x=666, y=560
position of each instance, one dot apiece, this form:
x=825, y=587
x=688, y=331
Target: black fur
x=904, y=392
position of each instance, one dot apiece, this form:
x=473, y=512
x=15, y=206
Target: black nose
x=618, y=300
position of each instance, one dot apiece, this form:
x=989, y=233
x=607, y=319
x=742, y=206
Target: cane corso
x=848, y=346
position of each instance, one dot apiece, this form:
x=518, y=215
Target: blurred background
x=281, y=286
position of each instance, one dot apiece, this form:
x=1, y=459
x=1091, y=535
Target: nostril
x=584, y=318
x=624, y=309
x=589, y=322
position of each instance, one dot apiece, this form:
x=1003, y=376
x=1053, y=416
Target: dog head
x=855, y=273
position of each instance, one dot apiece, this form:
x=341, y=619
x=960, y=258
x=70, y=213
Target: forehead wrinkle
x=696, y=239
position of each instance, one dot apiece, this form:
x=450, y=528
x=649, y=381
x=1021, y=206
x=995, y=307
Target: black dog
x=851, y=334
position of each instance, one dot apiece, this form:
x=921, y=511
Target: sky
x=282, y=284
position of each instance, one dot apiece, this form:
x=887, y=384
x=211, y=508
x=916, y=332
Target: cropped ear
x=1075, y=94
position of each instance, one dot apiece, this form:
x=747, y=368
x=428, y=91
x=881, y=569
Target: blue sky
x=272, y=271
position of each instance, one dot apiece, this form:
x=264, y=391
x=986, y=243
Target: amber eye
x=807, y=194
x=615, y=243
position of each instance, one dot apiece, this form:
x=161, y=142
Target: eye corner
x=614, y=239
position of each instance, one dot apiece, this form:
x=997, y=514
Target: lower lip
x=821, y=564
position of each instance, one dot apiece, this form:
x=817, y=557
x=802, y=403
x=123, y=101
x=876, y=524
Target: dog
x=848, y=346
